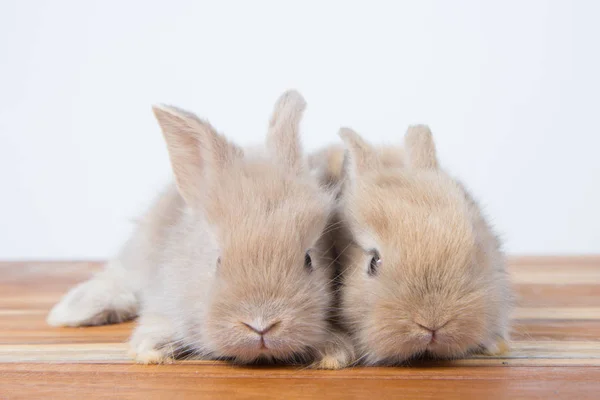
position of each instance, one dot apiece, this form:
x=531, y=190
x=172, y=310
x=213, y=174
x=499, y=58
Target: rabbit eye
x=374, y=264
x=307, y=261
x=218, y=262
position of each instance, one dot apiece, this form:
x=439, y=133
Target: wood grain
x=555, y=352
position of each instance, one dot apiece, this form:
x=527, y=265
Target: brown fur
x=328, y=163
x=441, y=266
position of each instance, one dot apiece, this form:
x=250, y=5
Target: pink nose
x=430, y=331
x=260, y=329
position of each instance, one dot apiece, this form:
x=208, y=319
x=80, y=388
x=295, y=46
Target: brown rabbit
x=230, y=263
x=423, y=274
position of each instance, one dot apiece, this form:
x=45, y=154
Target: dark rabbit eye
x=374, y=264
x=307, y=261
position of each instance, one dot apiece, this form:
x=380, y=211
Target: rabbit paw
x=496, y=348
x=331, y=361
x=150, y=341
x=149, y=352
x=337, y=353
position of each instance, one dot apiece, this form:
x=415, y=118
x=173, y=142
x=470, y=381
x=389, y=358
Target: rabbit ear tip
x=418, y=129
x=292, y=93
x=292, y=98
x=160, y=106
x=164, y=109
x=346, y=132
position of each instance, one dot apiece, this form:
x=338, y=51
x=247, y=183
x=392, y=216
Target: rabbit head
x=423, y=273
x=269, y=277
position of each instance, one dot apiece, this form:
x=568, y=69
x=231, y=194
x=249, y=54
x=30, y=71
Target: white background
x=510, y=88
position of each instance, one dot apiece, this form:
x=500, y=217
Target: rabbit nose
x=427, y=327
x=260, y=328
x=431, y=326
x=432, y=330
x=431, y=335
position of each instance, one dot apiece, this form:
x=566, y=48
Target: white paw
x=147, y=352
x=497, y=348
x=331, y=362
x=336, y=354
x=151, y=341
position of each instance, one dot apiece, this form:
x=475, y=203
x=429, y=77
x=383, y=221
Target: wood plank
x=557, y=330
x=580, y=277
x=31, y=327
x=221, y=369
x=578, y=261
x=555, y=313
x=126, y=382
x=555, y=349
x=547, y=352
x=558, y=295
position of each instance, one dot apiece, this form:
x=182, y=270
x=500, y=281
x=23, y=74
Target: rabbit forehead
x=410, y=217
x=259, y=207
x=281, y=236
x=261, y=187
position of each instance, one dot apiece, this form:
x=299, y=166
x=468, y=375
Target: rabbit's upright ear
x=198, y=153
x=420, y=148
x=360, y=156
x=283, y=138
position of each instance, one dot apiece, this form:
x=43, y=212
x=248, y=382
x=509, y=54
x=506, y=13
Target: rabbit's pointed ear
x=283, y=138
x=198, y=153
x=360, y=155
x=420, y=148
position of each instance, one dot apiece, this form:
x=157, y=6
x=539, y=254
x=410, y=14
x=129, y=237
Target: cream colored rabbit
x=230, y=263
x=423, y=274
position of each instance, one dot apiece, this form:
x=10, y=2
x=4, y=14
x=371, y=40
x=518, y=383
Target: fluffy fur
x=441, y=288
x=217, y=267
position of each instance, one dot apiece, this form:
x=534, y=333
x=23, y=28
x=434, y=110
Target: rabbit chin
x=412, y=349
x=254, y=349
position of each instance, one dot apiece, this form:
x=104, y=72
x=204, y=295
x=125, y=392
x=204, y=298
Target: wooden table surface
x=555, y=349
